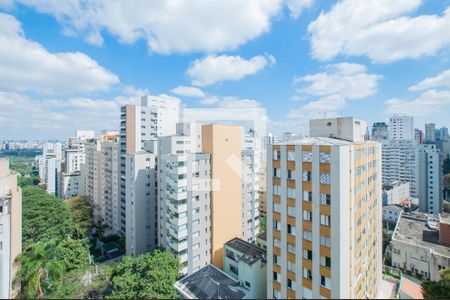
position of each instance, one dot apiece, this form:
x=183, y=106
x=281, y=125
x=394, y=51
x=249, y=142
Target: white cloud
x=428, y=103
x=441, y=80
x=210, y=100
x=25, y=117
x=350, y=81
x=188, y=91
x=234, y=102
x=379, y=29
x=296, y=7
x=27, y=66
x=212, y=68
x=167, y=26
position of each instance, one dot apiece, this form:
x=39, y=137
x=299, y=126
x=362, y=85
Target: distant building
x=444, y=229
x=430, y=133
x=261, y=240
x=10, y=228
x=246, y=263
x=416, y=245
x=211, y=283
x=429, y=184
x=418, y=136
x=395, y=192
x=401, y=127
x=391, y=214
x=441, y=133
x=380, y=131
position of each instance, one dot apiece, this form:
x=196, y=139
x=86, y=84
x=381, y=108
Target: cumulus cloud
x=296, y=7
x=213, y=68
x=58, y=118
x=442, y=80
x=350, y=81
x=27, y=66
x=428, y=103
x=188, y=91
x=167, y=26
x=379, y=29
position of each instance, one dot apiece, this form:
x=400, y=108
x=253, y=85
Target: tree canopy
x=81, y=213
x=438, y=289
x=44, y=217
x=149, y=276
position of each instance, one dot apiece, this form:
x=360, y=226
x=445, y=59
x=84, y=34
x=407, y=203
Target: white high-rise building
x=10, y=228
x=184, y=197
x=399, y=160
x=49, y=165
x=430, y=133
x=429, y=179
x=140, y=127
x=401, y=127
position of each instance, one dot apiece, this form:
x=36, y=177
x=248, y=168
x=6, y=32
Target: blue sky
x=70, y=64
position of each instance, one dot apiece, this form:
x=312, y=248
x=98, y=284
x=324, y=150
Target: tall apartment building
x=430, y=133
x=324, y=214
x=10, y=227
x=429, y=183
x=401, y=127
x=140, y=127
x=418, y=136
x=99, y=178
x=380, y=131
x=223, y=144
x=49, y=165
x=399, y=162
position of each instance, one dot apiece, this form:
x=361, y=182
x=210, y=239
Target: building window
x=325, y=178
x=291, y=155
x=325, y=261
x=307, y=273
x=247, y=284
x=307, y=235
x=325, y=220
x=307, y=196
x=276, y=172
x=276, y=276
x=291, y=229
x=276, y=155
x=276, y=190
x=325, y=199
x=234, y=270
x=289, y=174
x=291, y=211
x=307, y=215
x=324, y=281
x=324, y=157
x=307, y=156
x=290, y=285
x=275, y=259
x=276, y=294
x=325, y=241
x=290, y=193
x=307, y=254
x=277, y=243
x=306, y=176
x=291, y=248
x=276, y=225
x=276, y=207
x=291, y=266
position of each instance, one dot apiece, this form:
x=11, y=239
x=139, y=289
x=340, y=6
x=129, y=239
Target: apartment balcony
x=177, y=196
x=177, y=208
x=176, y=245
x=178, y=234
x=178, y=170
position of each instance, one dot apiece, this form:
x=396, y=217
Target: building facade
x=430, y=133
x=324, y=215
x=395, y=192
x=429, y=185
x=401, y=127
x=380, y=131
x=10, y=228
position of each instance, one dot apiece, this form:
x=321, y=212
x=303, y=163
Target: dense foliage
x=52, y=250
x=262, y=224
x=81, y=214
x=29, y=153
x=149, y=276
x=438, y=289
x=44, y=217
x=447, y=166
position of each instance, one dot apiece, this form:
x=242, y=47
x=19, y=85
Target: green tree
x=73, y=253
x=447, y=166
x=39, y=270
x=149, y=276
x=438, y=289
x=263, y=224
x=44, y=217
x=81, y=214
x=23, y=181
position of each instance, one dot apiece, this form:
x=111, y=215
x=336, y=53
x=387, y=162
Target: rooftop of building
x=322, y=141
x=262, y=236
x=393, y=207
x=444, y=218
x=250, y=252
x=414, y=228
x=210, y=283
x=394, y=184
x=411, y=287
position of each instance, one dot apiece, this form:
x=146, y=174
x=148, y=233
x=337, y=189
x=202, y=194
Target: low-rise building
x=246, y=263
x=409, y=288
x=416, y=246
x=210, y=283
x=261, y=240
x=395, y=192
x=391, y=214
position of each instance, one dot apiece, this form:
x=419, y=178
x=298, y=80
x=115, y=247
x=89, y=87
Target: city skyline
x=81, y=70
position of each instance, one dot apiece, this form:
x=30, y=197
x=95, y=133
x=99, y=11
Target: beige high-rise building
x=324, y=214
x=223, y=143
x=10, y=227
